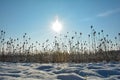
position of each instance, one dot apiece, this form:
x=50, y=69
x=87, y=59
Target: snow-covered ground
x=66, y=71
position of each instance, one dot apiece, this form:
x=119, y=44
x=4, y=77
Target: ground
x=57, y=71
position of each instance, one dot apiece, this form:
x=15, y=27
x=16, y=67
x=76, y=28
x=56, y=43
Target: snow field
x=57, y=71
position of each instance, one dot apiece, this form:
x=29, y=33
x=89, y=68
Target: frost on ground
x=66, y=71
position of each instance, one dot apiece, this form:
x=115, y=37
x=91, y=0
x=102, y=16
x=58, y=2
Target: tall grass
x=64, y=48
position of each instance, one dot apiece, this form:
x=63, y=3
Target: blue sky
x=35, y=17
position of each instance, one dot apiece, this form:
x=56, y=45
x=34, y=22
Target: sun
x=57, y=26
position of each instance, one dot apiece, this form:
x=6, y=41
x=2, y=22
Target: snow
x=57, y=71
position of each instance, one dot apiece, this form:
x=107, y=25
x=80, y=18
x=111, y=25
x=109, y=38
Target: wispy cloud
x=108, y=13
x=103, y=14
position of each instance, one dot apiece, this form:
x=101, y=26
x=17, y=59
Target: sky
x=34, y=17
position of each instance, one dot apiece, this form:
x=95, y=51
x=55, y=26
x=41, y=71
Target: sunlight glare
x=57, y=26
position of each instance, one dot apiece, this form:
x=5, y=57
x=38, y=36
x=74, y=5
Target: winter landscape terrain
x=59, y=39
x=60, y=71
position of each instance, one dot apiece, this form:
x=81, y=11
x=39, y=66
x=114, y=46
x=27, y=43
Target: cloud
x=108, y=13
x=103, y=14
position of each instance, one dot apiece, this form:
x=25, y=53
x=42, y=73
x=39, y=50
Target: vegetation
x=65, y=48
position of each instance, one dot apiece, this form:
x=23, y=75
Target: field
x=66, y=58
x=59, y=39
x=64, y=48
x=60, y=71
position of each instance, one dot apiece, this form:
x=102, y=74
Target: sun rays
x=57, y=26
